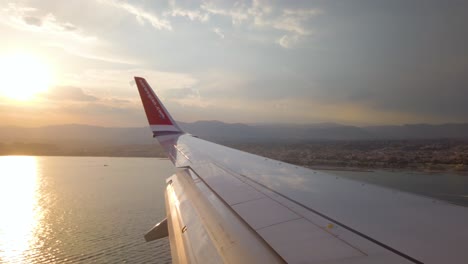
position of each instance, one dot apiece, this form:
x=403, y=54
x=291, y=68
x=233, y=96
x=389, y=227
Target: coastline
x=412, y=168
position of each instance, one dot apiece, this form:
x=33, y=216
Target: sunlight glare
x=23, y=75
x=18, y=206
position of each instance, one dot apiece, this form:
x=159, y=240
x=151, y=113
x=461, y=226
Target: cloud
x=192, y=14
x=292, y=110
x=218, y=32
x=104, y=114
x=237, y=13
x=262, y=15
x=32, y=19
x=100, y=52
x=182, y=93
x=288, y=41
x=396, y=65
x=292, y=20
x=141, y=15
x=51, y=32
x=115, y=83
x=63, y=105
x=118, y=100
x=68, y=93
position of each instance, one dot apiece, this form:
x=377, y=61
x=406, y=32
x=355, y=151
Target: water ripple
x=74, y=210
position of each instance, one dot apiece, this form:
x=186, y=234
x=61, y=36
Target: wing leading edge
x=225, y=205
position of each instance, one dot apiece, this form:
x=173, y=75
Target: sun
x=23, y=75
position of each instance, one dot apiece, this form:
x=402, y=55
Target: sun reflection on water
x=20, y=212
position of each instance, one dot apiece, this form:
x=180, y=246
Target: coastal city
x=425, y=155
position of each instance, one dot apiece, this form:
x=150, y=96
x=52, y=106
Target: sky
x=351, y=62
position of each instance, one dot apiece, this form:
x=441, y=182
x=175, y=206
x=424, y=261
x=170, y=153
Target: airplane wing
x=225, y=205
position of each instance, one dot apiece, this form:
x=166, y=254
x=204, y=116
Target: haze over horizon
x=210, y=123
x=303, y=62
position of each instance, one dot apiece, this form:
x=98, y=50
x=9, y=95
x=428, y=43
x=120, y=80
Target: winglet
x=159, y=119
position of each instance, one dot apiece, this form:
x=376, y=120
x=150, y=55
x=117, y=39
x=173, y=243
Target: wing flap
x=158, y=231
x=203, y=230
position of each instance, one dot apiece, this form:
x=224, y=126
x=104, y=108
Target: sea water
x=81, y=209
x=97, y=209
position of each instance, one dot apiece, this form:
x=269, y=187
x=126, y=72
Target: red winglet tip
x=155, y=111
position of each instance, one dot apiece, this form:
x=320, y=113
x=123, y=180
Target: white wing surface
x=225, y=205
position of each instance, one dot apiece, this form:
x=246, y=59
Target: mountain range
x=224, y=132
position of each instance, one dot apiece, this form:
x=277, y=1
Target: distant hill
x=420, y=131
x=85, y=140
x=219, y=131
x=216, y=130
x=74, y=133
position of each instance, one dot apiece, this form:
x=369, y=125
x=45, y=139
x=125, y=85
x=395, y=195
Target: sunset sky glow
x=351, y=62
